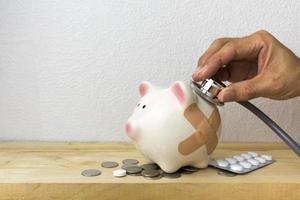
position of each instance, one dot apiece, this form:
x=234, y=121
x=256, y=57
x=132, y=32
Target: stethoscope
x=210, y=88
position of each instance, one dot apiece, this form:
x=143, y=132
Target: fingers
x=213, y=48
x=242, y=91
x=258, y=65
x=232, y=50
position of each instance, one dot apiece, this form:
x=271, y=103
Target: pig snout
x=130, y=129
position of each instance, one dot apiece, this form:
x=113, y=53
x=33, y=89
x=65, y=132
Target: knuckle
x=263, y=35
x=219, y=42
x=230, y=46
x=262, y=32
x=228, y=51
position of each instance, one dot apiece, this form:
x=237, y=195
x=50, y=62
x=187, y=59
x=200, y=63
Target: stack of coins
x=188, y=170
x=238, y=164
x=152, y=174
x=152, y=171
x=130, y=167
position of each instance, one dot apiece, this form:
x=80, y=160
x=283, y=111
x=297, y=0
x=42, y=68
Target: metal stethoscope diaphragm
x=209, y=90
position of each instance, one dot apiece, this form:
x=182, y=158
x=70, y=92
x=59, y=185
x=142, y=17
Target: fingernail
x=197, y=75
x=226, y=96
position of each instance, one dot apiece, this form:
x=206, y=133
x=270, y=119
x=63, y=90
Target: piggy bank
x=173, y=127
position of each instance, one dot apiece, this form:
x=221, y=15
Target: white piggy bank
x=173, y=127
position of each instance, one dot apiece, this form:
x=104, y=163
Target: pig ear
x=178, y=89
x=145, y=87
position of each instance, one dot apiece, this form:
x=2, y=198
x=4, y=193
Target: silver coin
x=150, y=172
x=130, y=162
x=125, y=166
x=225, y=173
x=109, y=164
x=91, y=172
x=184, y=171
x=150, y=166
x=136, y=174
x=154, y=177
x=171, y=175
x=190, y=169
x=133, y=169
x=161, y=171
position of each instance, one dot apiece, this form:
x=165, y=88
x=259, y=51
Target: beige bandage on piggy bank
x=173, y=127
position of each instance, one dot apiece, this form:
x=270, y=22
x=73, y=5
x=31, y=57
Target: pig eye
x=144, y=106
x=138, y=105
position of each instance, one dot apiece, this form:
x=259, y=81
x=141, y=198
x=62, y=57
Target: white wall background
x=69, y=70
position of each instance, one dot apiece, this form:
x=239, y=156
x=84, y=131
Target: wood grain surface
x=52, y=170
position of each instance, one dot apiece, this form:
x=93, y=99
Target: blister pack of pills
x=243, y=163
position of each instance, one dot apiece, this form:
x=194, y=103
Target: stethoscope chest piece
x=209, y=90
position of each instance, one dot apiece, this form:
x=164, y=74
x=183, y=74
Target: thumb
x=241, y=91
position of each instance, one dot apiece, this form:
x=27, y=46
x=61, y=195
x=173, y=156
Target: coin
x=154, y=177
x=136, y=174
x=150, y=166
x=125, y=166
x=182, y=171
x=150, y=173
x=225, y=173
x=190, y=169
x=161, y=171
x=130, y=162
x=171, y=175
x=91, y=172
x=109, y=164
x=133, y=169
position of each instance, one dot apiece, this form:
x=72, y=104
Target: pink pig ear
x=144, y=88
x=178, y=90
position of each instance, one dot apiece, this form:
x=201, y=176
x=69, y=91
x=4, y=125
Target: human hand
x=257, y=65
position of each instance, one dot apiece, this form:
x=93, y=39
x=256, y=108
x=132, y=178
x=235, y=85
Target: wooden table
x=51, y=170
